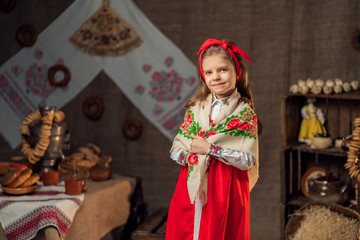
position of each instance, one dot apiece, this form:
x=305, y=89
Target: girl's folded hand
x=199, y=145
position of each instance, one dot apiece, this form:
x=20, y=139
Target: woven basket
x=294, y=222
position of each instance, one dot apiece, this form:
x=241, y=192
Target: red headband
x=229, y=47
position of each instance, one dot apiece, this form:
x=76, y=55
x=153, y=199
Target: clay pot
x=99, y=173
x=50, y=177
x=74, y=186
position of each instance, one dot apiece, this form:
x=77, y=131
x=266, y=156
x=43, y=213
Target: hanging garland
x=353, y=154
x=34, y=154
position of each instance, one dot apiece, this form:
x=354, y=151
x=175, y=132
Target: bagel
x=21, y=179
x=7, y=6
x=12, y=177
x=99, y=105
x=31, y=181
x=52, y=71
x=26, y=35
x=132, y=128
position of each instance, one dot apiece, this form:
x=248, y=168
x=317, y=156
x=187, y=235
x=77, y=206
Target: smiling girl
x=217, y=147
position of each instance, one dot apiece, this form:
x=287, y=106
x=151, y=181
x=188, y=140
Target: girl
x=217, y=146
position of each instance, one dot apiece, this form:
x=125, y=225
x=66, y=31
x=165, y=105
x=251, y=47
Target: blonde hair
x=242, y=86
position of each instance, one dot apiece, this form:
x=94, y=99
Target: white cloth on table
x=22, y=216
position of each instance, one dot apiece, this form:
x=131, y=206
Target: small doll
x=312, y=123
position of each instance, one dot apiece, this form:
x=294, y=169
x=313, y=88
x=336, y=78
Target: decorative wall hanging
x=93, y=107
x=26, y=35
x=106, y=34
x=356, y=39
x=156, y=76
x=7, y=5
x=56, y=68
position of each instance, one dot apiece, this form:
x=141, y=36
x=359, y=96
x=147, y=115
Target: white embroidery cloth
x=156, y=76
x=22, y=216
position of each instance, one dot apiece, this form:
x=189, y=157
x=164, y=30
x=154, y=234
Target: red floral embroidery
x=212, y=133
x=182, y=126
x=215, y=149
x=244, y=126
x=201, y=133
x=233, y=123
x=254, y=119
x=193, y=160
x=189, y=119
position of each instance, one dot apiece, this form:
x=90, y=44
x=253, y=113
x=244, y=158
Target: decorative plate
x=356, y=39
x=19, y=190
x=314, y=173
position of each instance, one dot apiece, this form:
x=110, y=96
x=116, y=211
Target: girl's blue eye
x=207, y=73
x=224, y=69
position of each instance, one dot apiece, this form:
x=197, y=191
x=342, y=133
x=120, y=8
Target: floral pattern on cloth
x=182, y=158
x=242, y=124
x=215, y=150
x=225, y=101
x=192, y=161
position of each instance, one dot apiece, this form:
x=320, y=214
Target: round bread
x=89, y=106
x=12, y=177
x=31, y=181
x=132, y=128
x=20, y=180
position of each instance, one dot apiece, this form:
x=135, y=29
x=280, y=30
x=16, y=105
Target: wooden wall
x=286, y=40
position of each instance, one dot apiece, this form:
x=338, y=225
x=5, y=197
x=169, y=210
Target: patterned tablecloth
x=23, y=216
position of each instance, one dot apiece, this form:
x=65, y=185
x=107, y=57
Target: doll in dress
x=312, y=123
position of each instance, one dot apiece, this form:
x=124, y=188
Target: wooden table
x=106, y=206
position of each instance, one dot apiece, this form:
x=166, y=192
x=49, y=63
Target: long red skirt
x=226, y=214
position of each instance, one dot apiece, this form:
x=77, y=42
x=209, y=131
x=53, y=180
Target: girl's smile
x=220, y=75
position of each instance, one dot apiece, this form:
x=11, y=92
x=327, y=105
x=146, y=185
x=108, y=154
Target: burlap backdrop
x=286, y=40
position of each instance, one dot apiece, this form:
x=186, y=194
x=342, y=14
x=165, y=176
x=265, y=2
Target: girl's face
x=220, y=75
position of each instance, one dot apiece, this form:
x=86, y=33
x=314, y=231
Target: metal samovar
x=59, y=141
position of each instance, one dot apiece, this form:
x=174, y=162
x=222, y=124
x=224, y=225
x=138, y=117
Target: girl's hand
x=199, y=145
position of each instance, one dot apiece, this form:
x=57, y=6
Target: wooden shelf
x=338, y=152
x=340, y=110
x=298, y=199
x=355, y=95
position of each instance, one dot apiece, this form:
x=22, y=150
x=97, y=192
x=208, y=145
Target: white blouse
x=231, y=157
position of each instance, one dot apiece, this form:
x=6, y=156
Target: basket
x=294, y=222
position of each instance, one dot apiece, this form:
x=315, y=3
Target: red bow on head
x=232, y=49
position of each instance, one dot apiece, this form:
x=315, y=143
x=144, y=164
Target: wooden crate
x=339, y=110
x=153, y=228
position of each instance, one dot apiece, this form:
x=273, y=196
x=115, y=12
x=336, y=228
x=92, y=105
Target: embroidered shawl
x=235, y=127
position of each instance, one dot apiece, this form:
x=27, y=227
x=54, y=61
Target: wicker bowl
x=295, y=221
x=321, y=142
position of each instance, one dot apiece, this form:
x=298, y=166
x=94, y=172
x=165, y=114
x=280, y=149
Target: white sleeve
x=320, y=115
x=237, y=159
x=179, y=156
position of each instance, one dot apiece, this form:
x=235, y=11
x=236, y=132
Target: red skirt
x=226, y=214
